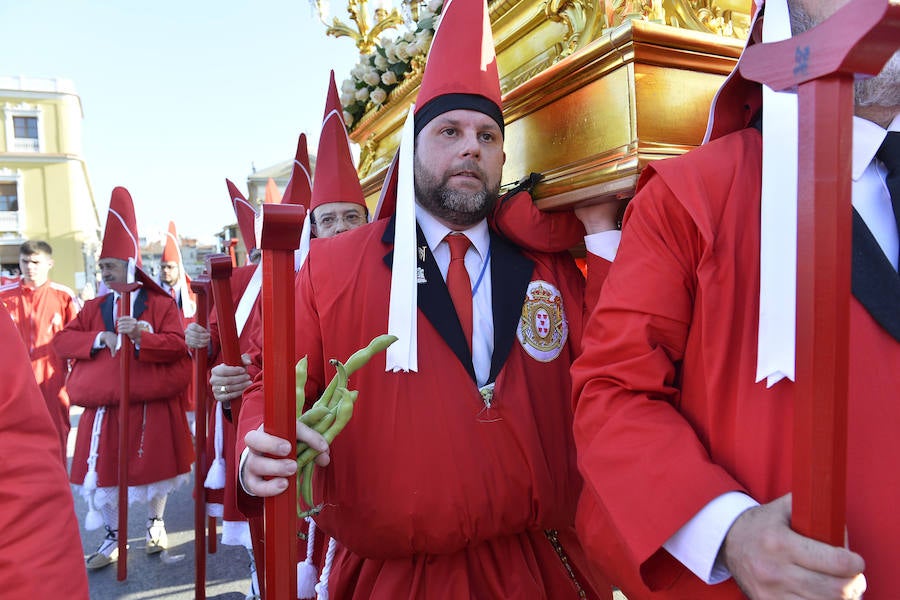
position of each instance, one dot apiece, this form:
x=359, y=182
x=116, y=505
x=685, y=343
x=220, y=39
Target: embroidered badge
x=543, y=328
x=420, y=275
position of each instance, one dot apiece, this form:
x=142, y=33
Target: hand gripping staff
x=281, y=227
x=125, y=352
x=820, y=64
x=200, y=287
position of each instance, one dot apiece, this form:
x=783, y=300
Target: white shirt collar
x=867, y=138
x=435, y=232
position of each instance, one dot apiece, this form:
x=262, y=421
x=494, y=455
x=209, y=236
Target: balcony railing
x=9, y=221
x=25, y=145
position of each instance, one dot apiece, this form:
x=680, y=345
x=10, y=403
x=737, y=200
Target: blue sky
x=177, y=96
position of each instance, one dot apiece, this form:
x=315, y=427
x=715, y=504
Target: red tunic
x=669, y=416
x=40, y=313
x=41, y=555
x=160, y=442
x=430, y=494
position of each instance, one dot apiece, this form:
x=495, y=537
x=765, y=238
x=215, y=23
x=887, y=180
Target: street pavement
x=170, y=574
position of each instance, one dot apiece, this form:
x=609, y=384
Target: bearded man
x=456, y=476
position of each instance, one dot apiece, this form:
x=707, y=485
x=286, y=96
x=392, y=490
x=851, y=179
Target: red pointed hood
x=273, y=194
x=335, y=179
x=120, y=238
x=461, y=72
x=299, y=188
x=246, y=216
x=172, y=251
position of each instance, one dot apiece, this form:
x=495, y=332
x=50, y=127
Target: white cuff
x=244, y=456
x=696, y=545
x=603, y=244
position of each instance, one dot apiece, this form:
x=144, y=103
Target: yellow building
x=45, y=192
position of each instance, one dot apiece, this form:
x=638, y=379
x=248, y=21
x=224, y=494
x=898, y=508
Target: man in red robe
x=456, y=478
x=41, y=551
x=686, y=455
x=160, y=442
x=41, y=308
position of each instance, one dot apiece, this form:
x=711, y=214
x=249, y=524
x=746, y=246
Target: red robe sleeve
x=41, y=552
x=627, y=396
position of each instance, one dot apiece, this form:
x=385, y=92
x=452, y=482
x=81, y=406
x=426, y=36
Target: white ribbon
x=776, y=341
x=403, y=354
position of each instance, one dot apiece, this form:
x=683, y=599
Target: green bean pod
x=359, y=358
x=313, y=415
x=306, y=484
x=300, y=384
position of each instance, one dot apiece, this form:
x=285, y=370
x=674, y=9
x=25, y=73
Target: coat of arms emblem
x=543, y=328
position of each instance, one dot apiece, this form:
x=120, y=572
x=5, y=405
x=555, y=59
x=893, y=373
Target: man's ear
x=504, y=157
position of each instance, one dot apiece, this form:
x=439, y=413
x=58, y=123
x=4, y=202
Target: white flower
x=423, y=38
x=379, y=96
x=435, y=5
x=348, y=118
x=348, y=87
x=388, y=78
x=347, y=98
x=358, y=70
x=381, y=63
x=391, y=52
x=425, y=13
x=371, y=78
x=362, y=95
x=409, y=36
x=403, y=52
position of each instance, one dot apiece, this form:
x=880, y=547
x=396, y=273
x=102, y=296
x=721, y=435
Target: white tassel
x=322, y=586
x=307, y=575
x=93, y=520
x=90, y=480
x=215, y=477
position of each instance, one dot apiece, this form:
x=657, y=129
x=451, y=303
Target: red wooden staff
x=282, y=224
x=200, y=287
x=820, y=64
x=219, y=267
x=125, y=352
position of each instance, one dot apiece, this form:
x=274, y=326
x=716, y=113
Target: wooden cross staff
x=219, y=267
x=124, y=290
x=282, y=224
x=200, y=287
x=820, y=64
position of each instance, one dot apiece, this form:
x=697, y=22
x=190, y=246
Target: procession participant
x=41, y=550
x=160, y=442
x=456, y=476
x=172, y=277
x=670, y=390
x=41, y=308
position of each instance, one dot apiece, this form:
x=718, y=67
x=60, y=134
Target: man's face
x=113, y=270
x=169, y=273
x=333, y=218
x=458, y=163
x=35, y=268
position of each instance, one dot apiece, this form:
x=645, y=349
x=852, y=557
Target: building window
x=26, y=128
x=9, y=197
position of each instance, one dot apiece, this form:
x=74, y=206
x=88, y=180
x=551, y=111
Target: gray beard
x=883, y=89
x=459, y=208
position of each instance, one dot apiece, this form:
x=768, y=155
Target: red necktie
x=458, y=282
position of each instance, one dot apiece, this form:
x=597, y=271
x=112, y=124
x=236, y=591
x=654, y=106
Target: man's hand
x=129, y=326
x=603, y=216
x=271, y=460
x=769, y=560
x=109, y=339
x=229, y=382
x=196, y=336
